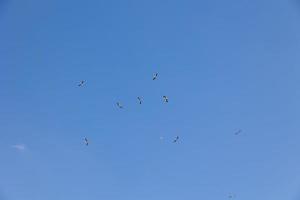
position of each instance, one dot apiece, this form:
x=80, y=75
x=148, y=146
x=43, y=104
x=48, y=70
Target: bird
x=119, y=105
x=166, y=99
x=176, y=139
x=81, y=83
x=155, y=76
x=86, y=141
x=238, y=132
x=140, y=100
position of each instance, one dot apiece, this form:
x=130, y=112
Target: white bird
x=119, y=105
x=155, y=76
x=166, y=99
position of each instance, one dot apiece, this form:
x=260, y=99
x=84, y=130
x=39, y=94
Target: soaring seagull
x=86, y=141
x=140, y=100
x=176, y=139
x=154, y=76
x=166, y=99
x=119, y=105
x=81, y=83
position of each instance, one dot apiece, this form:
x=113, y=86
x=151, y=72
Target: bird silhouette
x=81, y=83
x=155, y=76
x=166, y=99
x=238, y=132
x=176, y=139
x=140, y=100
x=86, y=141
x=119, y=105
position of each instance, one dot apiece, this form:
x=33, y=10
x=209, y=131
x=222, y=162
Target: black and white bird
x=119, y=105
x=166, y=99
x=155, y=76
x=176, y=139
x=81, y=83
x=238, y=132
x=140, y=100
x=86, y=141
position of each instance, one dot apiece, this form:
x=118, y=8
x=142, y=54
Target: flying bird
x=176, y=139
x=238, y=132
x=81, y=83
x=166, y=99
x=86, y=141
x=155, y=76
x=140, y=100
x=119, y=105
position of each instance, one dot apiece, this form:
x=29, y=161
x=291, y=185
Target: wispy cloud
x=19, y=147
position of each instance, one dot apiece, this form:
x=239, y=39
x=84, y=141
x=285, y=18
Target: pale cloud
x=19, y=147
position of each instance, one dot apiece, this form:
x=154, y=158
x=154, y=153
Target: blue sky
x=225, y=65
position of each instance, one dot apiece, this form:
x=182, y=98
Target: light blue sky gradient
x=225, y=65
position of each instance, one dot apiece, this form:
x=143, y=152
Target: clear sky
x=225, y=66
